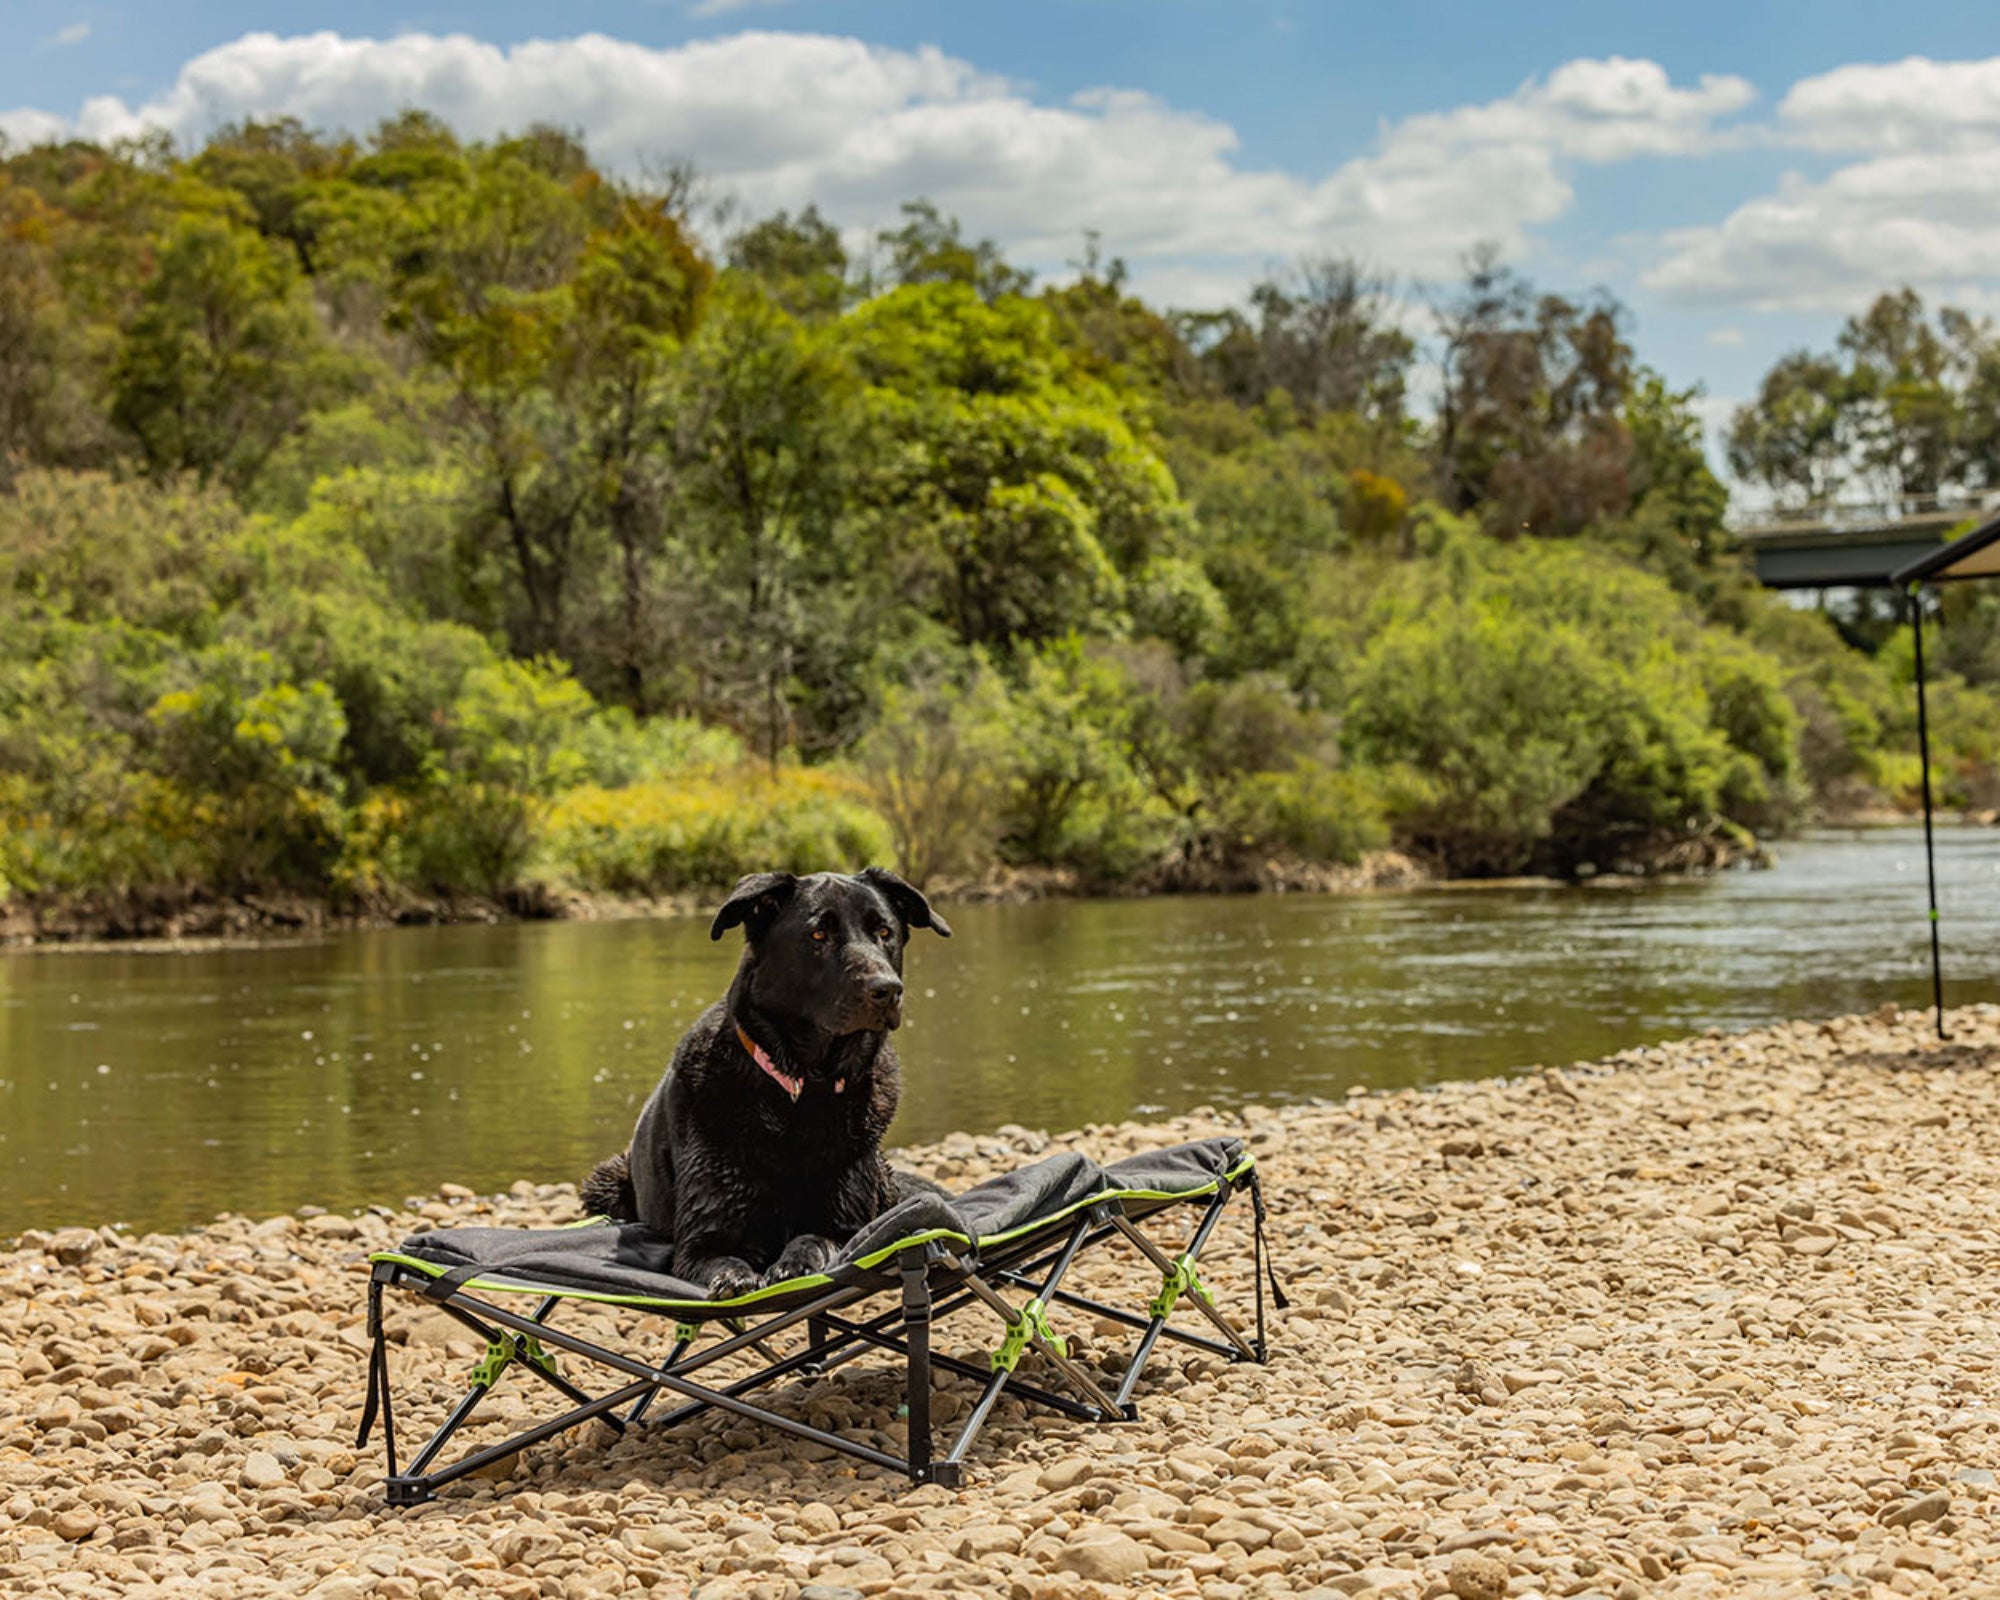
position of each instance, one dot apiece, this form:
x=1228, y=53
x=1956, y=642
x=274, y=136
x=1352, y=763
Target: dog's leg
x=860, y=1195
x=713, y=1211
x=608, y=1191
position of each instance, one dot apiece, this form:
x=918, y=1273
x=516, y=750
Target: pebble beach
x=1715, y=1317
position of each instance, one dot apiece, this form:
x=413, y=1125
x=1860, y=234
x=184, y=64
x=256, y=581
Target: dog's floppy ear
x=756, y=900
x=906, y=902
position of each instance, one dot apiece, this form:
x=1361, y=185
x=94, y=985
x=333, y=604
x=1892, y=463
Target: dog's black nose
x=885, y=990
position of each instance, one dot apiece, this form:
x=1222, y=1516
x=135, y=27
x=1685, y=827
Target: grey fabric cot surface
x=629, y=1263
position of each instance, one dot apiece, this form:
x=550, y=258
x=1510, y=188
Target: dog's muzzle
x=884, y=1000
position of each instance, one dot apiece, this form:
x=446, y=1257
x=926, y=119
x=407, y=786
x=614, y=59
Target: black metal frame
x=934, y=1281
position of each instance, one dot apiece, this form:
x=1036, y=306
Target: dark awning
x=1976, y=555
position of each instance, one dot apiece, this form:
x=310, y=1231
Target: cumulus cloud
x=1920, y=205
x=75, y=33
x=26, y=127
x=1930, y=221
x=1609, y=110
x=786, y=119
x=1914, y=105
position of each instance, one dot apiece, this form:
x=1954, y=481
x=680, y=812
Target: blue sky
x=1740, y=175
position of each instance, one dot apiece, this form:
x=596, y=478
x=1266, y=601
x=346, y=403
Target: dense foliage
x=404, y=516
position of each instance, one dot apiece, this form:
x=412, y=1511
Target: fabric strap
x=1261, y=1267
x=447, y=1284
x=379, y=1402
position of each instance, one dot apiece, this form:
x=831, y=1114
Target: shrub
x=1313, y=811
x=935, y=767
x=696, y=833
x=255, y=757
x=1073, y=796
x=618, y=749
x=1564, y=709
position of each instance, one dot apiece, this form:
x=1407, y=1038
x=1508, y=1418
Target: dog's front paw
x=808, y=1253
x=730, y=1278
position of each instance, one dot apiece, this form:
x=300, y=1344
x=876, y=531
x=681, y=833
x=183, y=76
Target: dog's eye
x=819, y=936
x=885, y=934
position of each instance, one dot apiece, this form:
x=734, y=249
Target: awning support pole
x=1930, y=849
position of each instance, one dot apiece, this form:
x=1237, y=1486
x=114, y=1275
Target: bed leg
x=405, y=1492
x=917, y=1385
x=819, y=1332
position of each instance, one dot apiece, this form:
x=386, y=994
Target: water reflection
x=156, y=1089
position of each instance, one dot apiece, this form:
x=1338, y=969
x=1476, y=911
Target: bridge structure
x=1851, y=544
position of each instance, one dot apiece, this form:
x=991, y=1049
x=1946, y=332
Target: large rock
x=986, y=1539
x=74, y=1246
x=75, y=1524
x=262, y=1471
x=1477, y=1577
x=1103, y=1555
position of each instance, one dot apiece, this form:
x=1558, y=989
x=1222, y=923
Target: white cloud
x=784, y=119
x=723, y=8
x=1725, y=338
x=1921, y=206
x=75, y=33
x=1914, y=105
x=25, y=127
x=1608, y=110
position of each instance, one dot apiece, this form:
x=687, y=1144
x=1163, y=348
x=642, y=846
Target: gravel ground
x=1717, y=1317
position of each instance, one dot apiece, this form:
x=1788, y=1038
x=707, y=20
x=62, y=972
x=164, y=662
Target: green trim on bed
x=711, y=1309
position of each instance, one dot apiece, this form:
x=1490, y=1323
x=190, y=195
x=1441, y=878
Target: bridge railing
x=1878, y=512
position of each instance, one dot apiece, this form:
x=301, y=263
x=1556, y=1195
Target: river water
x=155, y=1089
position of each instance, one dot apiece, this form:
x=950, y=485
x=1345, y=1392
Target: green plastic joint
x=1031, y=1323
x=498, y=1353
x=501, y=1351
x=1179, y=1279
x=532, y=1351
x=686, y=1332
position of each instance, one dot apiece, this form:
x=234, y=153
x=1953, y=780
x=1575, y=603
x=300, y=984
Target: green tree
x=765, y=403
x=1904, y=406
x=273, y=164
x=553, y=309
x=799, y=261
x=46, y=415
x=930, y=249
x=1677, y=524
x=1796, y=437
x=1008, y=490
x=262, y=753
x=224, y=358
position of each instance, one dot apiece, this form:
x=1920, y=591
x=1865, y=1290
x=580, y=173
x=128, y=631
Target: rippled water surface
x=155, y=1089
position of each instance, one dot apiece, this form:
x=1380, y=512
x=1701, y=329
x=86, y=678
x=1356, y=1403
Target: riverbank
x=194, y=917
x=1716, y=1317
x=199, y=917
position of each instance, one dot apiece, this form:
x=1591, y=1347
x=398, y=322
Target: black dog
x=760, y=1152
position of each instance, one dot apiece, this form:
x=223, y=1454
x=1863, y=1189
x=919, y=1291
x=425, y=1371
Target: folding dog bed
x=936, y=1255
